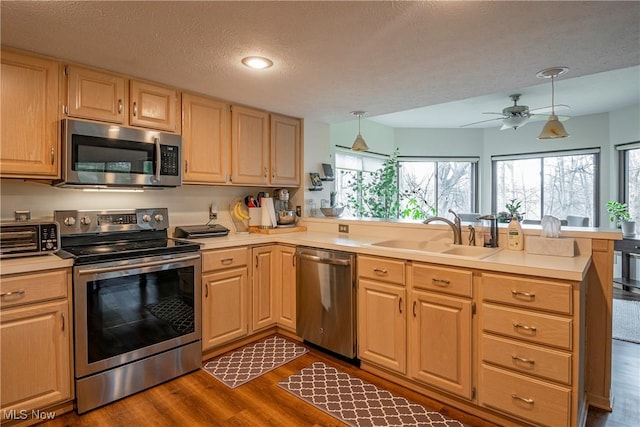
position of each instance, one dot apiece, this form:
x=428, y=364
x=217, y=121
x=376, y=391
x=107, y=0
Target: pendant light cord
x=553, y=102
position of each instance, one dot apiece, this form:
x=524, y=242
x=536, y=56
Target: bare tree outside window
x=633, y=182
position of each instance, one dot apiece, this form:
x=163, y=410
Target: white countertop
x=33, y=264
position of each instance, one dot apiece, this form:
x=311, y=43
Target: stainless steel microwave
x=99, y=155
x=26, y=238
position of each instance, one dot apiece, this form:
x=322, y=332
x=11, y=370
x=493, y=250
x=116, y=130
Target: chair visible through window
x=577, y=221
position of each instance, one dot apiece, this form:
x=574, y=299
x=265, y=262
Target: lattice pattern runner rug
x=356, y=402
x=250, y=362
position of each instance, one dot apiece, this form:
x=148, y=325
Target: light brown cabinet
x=30, y=133
x=249, y=146
x=263, y=284
x=154, y=106
x=285, y=149
x=529, y=360
x=441, y=328
x=285, y=287
x=95, y=95
x=206, y=143
x=382, y=320
x=224, y=296
x=35, y=331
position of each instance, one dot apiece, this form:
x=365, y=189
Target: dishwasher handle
x=332, y=261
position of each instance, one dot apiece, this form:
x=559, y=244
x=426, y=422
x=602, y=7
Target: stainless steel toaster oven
x=27, y=238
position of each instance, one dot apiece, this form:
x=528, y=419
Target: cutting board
x=278, y=230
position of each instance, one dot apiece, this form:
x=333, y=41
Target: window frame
x=541, y=155
x=623, y=169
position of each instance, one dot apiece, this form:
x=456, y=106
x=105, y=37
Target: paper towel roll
x=268, y=213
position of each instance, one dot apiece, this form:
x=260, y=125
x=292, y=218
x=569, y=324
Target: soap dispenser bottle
x=515, y=237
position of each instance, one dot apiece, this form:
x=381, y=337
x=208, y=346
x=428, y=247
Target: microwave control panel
x=169, y=160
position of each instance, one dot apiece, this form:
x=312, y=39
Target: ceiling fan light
x=514, y=122
x=359, y=144
x=553, y=129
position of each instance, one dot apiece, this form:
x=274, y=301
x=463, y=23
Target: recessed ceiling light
x=257, y=62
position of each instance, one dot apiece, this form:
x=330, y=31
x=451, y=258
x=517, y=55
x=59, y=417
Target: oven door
x=128, y=310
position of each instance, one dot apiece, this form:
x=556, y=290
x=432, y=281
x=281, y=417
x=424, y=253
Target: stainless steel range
x=136, y=297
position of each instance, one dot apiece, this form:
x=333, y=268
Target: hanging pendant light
x=553, y=128
x=359, y=144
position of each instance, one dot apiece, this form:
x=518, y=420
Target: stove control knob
x=49, y=245
x=146, y=218
x=159, y=217
x=70, y=221
x=85, y=220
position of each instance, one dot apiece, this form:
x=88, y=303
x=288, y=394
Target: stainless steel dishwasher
x=326, y=299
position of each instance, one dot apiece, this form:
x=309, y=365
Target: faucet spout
x=455, y=226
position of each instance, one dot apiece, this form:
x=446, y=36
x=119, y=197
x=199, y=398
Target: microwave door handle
x=158, y=158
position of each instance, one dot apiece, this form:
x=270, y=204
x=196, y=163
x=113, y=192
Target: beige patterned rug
x=250, y=362
x=356, y=402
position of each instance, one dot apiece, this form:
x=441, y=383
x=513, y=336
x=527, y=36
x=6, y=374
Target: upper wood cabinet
x=30, y=135
x=206, y=144
x=285, y=150
x=97, y=95
x=154, y=106
x=249, y=146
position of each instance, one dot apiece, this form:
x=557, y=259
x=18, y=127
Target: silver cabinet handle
x=62, y=318
x=523, y=399
x=119, y=105
x=186, y=166
x=414, y=308
x=440, y=282
x=266, y=173
x=20, y=293
x=227, y=261
x=53, y=156
x=400, y=305
x=380, y=271
x=525, y=327
x=206, y=290
x=522, y=359
x=517, y=294
x=135, y=109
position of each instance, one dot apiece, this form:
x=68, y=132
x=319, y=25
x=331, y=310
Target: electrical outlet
x=213, y=212
x=343, y=228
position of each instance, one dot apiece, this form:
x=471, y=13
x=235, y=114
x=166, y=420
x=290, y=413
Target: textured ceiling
x=334, y=57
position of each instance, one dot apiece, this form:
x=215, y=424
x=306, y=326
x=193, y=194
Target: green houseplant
x=619, y=213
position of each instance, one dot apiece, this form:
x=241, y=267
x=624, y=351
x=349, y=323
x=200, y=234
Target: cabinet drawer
x=383, y=269
x=226, y=258
x=28, y=288
x=535, y=294
x=536, y=401
x=439, y=279
x=529, y=359
x=534, y=327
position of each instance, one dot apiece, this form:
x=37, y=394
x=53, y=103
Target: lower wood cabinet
x=35, y=335
x=263, y=284
x=285, y=287
x=225, y=283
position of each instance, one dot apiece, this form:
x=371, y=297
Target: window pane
x=346, y=188
x=417, y=189
x=633, y=184
x=454, y=187
x=519, y=179
x=569, y=186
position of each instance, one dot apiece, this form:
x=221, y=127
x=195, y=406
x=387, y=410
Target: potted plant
x=512, y=208
x=619, y=213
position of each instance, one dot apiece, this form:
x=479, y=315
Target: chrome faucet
x=455, y=226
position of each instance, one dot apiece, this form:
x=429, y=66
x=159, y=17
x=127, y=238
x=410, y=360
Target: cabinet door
x=224, y=307
x=30, y=132
x=285, y=150
x=249, y=146
x=285, y=287
x=153, y=106
x=96, y=95
x=263, y=312
x=206, y=143
x=440, y=348
x=382, y=324
x=35, y=364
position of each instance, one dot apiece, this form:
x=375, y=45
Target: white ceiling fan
x=516, y=116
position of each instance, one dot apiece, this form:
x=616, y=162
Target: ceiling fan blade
x=482, y=121
x=543, y=110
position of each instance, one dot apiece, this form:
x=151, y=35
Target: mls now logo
x=23, y=414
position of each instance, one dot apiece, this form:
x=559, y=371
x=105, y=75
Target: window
x=425, y=186
x=430, y=186
x=629, y=182
x=562, y=184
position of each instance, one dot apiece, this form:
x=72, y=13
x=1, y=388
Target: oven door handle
x=170, y=261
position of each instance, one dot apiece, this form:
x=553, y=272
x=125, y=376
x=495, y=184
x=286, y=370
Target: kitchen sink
x=473, y=252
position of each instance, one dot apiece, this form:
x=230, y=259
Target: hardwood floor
x=625, y=382
x=199, y=399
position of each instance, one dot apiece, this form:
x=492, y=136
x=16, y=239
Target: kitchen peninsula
x=484, y=297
